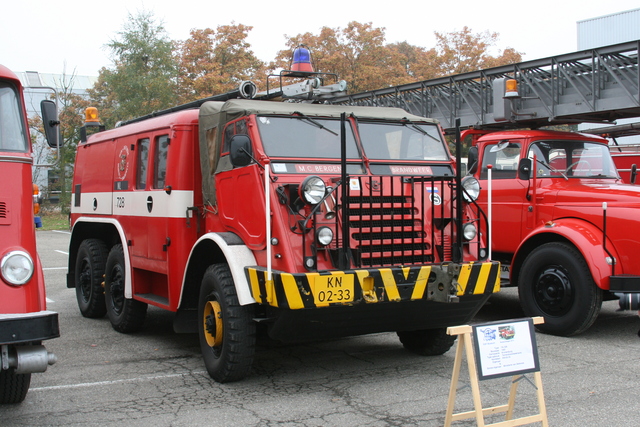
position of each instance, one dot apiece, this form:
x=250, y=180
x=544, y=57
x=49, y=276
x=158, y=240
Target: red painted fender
x=587, y=238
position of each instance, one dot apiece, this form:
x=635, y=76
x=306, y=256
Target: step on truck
x=304, y=220
x=565, y=226
x=24, y=319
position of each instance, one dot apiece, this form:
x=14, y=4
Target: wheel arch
x=213, y=248
x=106, y=229
x=582, y=235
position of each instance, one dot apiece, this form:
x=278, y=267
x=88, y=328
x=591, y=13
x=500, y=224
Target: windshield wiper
x=315, y=123
x=552, y=169
x=419, y=130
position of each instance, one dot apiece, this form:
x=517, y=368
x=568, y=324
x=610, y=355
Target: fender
x=586, y=237
x=237, y=254
x=128, y=292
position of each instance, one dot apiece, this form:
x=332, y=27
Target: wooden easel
x=465, y=346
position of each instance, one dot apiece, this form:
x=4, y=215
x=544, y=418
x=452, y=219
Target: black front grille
x=391, y=217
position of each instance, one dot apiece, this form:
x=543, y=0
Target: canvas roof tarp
x=214, y=114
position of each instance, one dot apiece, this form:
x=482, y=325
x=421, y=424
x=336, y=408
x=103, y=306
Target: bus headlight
x=469, y=231
x=471, y=188
x=16, y=267
x=324, y=236
x=312, y=189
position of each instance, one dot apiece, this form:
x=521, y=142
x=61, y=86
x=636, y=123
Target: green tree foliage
x=216, y=61
x=144, y=75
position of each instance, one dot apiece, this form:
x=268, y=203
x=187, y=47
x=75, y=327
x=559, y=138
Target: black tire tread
x=134, y=312
x=13, y=387
x=97, y=251
x=239, y=339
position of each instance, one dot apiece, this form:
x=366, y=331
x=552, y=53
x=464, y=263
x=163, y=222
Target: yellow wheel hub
x=212, y=318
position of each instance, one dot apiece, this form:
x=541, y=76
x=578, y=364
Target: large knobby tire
x=555, y=283
x=126, y=315
x=89, y=276
x=13, y=387
x=226, y=329
x=427, y=342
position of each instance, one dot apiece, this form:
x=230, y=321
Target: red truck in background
x=564, y=225
x=310, y=220
x=24, y=319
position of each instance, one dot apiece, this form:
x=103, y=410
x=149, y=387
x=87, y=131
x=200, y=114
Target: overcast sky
x=52, y=36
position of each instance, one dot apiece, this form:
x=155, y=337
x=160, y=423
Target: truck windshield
x=402, y=141
x=12, y=132
x=573, y=159
x=304, y=137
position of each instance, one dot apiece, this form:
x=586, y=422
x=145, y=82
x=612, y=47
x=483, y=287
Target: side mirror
x=524, y=169
x=240, y=150
x=472, y=160
x=50, y=122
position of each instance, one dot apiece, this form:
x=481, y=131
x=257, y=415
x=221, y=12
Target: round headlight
x=17, y=267
x=469, y=231
x=313, y=189
x=471, y=188
x=324, y=236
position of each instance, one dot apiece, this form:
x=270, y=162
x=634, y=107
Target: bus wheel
x=89, y=272
x=13, y=387
x=226, y=329
x=555, y=282
x=126, y=315
x=428, y=342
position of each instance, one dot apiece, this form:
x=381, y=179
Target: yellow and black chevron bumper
x=443, y=283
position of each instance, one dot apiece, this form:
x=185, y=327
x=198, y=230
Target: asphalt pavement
x=157, y=378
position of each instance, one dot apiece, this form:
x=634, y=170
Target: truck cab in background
x=562, y=220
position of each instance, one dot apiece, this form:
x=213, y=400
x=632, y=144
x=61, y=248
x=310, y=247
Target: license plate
x=333, y=289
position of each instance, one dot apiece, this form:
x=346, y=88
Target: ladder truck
x=565, y=224
x=308, y=221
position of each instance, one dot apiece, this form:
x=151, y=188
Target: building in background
x=39, y=86
x=606, y=30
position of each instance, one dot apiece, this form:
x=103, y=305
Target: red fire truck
x=564, y=225
x=24, y=319
x=311, y=220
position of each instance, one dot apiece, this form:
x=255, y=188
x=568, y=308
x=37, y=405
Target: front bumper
x=446, y=283
x=28, y=327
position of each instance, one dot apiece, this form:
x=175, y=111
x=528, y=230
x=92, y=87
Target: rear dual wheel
x=89, y=276
x=427, y=342
x=125, y=314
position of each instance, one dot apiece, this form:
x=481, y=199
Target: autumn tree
x=463, y=51
x=216, y=61
x=360, y=55
x=357, y=53
x=143, y=78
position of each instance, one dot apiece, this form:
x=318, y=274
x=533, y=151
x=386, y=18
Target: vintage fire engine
x=563, y=221
x=24, y=319
x=313, y=220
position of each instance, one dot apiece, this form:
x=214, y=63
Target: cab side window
x=236, y=128
x=142, y=163
x=160, y=161
x=504, y=161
